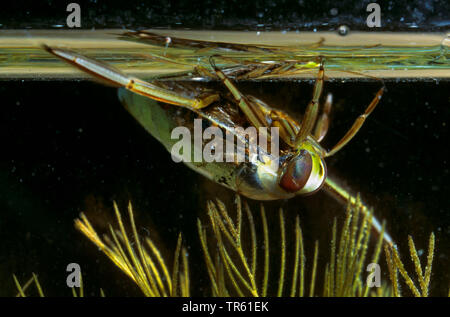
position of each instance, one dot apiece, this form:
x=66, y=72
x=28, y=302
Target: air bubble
x=343, y=30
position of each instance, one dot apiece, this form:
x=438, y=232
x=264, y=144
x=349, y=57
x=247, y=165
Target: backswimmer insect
x=161, y=106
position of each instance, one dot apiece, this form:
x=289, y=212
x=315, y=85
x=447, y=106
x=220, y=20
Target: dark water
x=404, y=15
x=69, y=147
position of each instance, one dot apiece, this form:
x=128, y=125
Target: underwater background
x=70, y=146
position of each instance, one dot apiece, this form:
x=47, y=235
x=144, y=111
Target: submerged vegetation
x=143, y=263
x=342, y=276
x=239, y=260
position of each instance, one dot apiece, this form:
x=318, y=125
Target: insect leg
x=115, y=77
x=287, y=126
x=323, y=122
x=357, y=124
x=253, y=113
x=311, y=111
x=257, y=112
x=147, y=37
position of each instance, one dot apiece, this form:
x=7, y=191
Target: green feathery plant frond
x=234, y=269
x=22, y=289
x=34, y=280
x=142, y=262
x=395, y=265
x=343, y=274
x=237, y=258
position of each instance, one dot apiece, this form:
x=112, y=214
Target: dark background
x=416, y=15
x=70, y=146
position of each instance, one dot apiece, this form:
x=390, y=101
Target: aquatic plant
x=142, y=263
x=34, y=280
x=232, y=262
x=395, y=265
x=22, y=288
x=342, y=276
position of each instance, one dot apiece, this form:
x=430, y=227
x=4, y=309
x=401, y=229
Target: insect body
x=300, y=167
x=258, y=179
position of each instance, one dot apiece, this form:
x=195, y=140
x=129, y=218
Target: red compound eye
x=297, y=172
